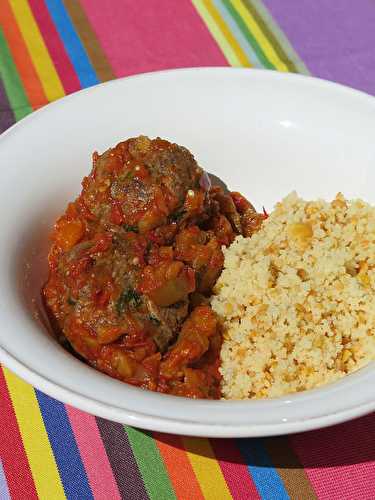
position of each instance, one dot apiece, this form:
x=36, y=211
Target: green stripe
x=263, y=26
x=276, y=36
x=12, y=83
x=248, y=35
x=150, y=465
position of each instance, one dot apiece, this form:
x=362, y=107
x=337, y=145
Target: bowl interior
x=262, y=133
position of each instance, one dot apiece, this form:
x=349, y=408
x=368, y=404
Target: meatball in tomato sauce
x=133, y=262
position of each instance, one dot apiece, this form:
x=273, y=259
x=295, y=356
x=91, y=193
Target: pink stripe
x=234, y=469
x=93, y=455
x=340, y=460
x=55, y=46
x=149, y=35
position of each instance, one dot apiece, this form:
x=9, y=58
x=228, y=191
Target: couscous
x=297, y=299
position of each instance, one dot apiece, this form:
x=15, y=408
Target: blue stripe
x=244, y=44
x=265, y=476
x=65, y=450
x=78, y=56
x=4, y=491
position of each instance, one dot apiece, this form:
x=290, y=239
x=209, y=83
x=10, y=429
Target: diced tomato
x=117, y=215
x=84, y=210
x=54, y=257
x=102, y=297
x=141, y=172
x=223, y=230
x=102, y=242
x=86, y=182
x=79, y=266
x=71, y=212
x=240, y=201
x=114, y=163
x=139, y=246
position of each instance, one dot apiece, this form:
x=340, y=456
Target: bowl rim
x=182, y=426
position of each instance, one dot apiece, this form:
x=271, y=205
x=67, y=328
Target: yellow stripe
x=224, y=28
x=220, y=39
x=259, y=35
x=206, y=468
x=35, y=440
x=42, y=61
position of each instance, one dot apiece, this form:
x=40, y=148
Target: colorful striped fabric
x=50, y=48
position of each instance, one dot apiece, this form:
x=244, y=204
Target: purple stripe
x=336, y=40
x=121, y=458
x=6, y=114
x=4, y=490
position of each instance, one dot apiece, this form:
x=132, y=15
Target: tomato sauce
x=133, y=262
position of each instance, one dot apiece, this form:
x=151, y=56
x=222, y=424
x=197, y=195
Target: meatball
x=138, y=184
x=134, y=258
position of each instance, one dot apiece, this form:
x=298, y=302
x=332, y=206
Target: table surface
x=50, y=48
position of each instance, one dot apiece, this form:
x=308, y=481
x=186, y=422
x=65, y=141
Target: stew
x=133, y=262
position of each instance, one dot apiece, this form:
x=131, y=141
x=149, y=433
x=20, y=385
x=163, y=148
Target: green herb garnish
x=71, y=301
x=128, y=296
x=126, y=176
x=175, y=217
x=154, y=320
x=130, y=229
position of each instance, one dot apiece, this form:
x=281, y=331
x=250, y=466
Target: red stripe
x=235, y=470
x=148, y=35
x=12, y=452
x=55, y=46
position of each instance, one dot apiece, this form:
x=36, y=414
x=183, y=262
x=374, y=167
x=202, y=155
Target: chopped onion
x=205, y=181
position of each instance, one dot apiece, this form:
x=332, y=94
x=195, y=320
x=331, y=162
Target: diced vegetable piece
x=124, y=365
x=128, y=297
x=173, y=290
x=192, y=343
x=150, y=220
x=108, y=334
x=251, y=221
x=205, y=258
x=68, y=233
x=241, y=203
x=167, y=283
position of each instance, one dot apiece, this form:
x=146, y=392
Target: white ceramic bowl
x=263, y=133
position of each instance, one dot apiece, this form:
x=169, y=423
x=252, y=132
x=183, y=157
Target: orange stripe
x=21, y=57
x=179, y=469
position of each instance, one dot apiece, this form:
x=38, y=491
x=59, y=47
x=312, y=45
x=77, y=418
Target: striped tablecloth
x=49, y=48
